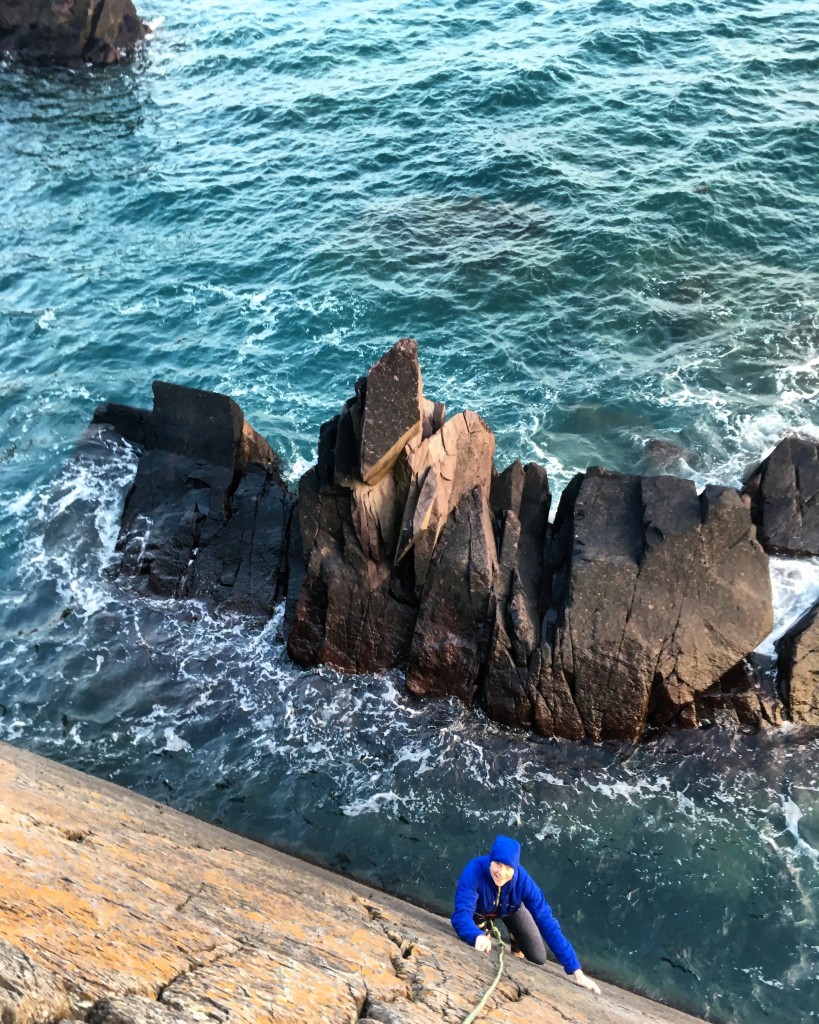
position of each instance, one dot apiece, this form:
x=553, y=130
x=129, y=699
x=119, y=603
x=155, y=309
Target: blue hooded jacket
x=477, y=893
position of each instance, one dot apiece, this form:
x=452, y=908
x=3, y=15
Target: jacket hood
x=506, y=851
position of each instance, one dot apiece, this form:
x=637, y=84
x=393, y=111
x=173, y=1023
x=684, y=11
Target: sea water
x=600, y=222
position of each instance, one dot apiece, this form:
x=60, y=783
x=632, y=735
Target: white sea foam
x=79, y=490
x=795, y=588
x=622, y=789
x=756, y=974
x=793, y=816
x=174, y=742
x=20, y=503
x=373, y=804
x=300, y=467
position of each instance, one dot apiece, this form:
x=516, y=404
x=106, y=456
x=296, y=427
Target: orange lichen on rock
x=117, y=910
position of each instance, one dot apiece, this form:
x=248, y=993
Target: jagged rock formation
x=368, y=547
x=798, y=666
x=208, y=514
x=71, y=31
x=784, y=493
x=635, y=609
x=117, y=910
x=638, y=600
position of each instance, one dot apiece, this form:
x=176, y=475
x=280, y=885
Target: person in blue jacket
x=496, y=885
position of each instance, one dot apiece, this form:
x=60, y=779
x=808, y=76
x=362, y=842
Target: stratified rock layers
x=71, y=31
x=117, y=910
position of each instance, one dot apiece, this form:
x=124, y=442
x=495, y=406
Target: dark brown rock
x=346, y=613
x=747, y=694
x=641, y=597
x=131, y=423
x=208, y=514
x=636, y=609
x=609, y=677
x=450, y=641
x=71, y=31
x=784, y=494
x=520, y=499
x=369, y=533
x=634, y=605
x=393, y=409
x=667, y=591
x=798, y=664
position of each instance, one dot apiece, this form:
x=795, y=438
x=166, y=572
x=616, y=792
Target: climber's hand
x=584, y=982
x=483, y=944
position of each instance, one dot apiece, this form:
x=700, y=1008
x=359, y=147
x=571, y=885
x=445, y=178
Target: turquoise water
x=599, y=220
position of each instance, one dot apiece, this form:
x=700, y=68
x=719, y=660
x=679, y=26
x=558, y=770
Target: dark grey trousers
x=527, y=935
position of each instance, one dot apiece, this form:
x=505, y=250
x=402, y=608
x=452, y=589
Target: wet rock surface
x=798, y=665
x=208, y=514
x=71, y=32
x=784, y=492
x=117, y=910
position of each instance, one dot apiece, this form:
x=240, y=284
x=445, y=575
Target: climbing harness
x=497, y=936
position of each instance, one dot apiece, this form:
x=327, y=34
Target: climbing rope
x=497, y=935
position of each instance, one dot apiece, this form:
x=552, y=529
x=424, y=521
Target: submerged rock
x=71, y=31
x=784, y=492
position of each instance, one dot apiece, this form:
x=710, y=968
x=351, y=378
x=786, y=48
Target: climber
x=496, y=885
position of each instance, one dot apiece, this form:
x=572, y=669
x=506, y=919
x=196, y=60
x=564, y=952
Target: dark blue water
x=599, y=220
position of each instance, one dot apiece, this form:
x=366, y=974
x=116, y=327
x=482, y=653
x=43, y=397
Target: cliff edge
x=119, y=910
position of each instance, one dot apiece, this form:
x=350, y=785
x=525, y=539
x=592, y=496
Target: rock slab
x=784, y=492
x=117, y=910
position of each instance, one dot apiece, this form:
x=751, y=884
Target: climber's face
x=501, y=873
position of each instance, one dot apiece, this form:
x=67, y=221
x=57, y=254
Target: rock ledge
x=118, y=910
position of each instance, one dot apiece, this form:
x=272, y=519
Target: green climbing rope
x=497, y=936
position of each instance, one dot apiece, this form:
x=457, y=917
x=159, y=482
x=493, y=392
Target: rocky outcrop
x=71, y=31
x=369, y=546
x=635, y=609
x=798, y=666
x=643, y=595
x=784, y=492
x=637, y=601
x=117, y=910
x=208, y=514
